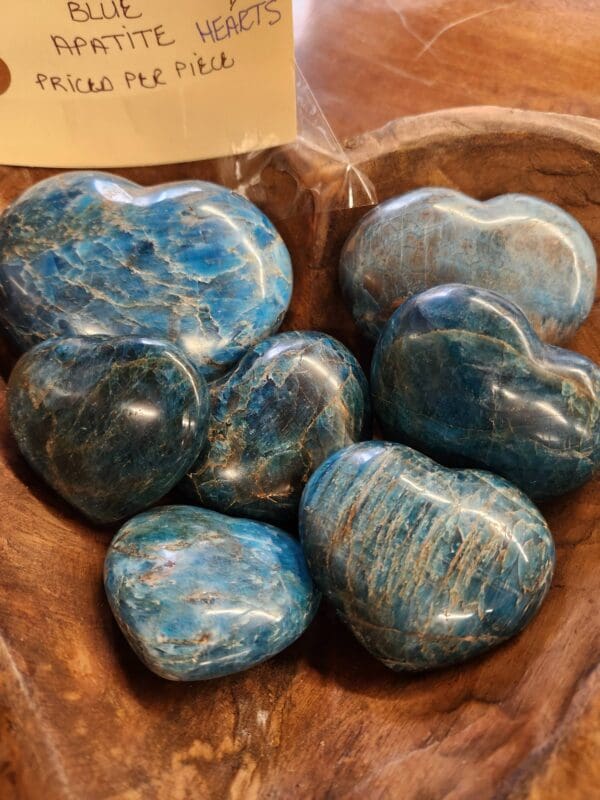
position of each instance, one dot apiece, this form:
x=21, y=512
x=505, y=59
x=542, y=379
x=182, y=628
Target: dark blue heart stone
x=111, y=424
x=427, y=566
x=528, y=250
x=459, y=373
x=88, y=253
x=291, y=402
x=200, y=595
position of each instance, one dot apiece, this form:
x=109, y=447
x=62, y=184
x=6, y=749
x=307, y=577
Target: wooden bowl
x=81, y=718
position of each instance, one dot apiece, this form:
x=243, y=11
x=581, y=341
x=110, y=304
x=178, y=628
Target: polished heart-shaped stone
x=527, y=249
x=200, y=595
x=111, y=424
x=292, y=401
x=459, y=373
x=87, y=253
x=427, y=566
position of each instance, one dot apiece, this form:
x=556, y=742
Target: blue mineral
x=87, y=253
x=111, y=424
x=292, y=401
x=427, y=566
x=460, y=374
x=200, y=595
x=527, y=249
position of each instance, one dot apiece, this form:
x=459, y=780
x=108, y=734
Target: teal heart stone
x=200, y=595
x=427, y=566
x=460, y=374
x=531, y=251
x=111, y=424
x=292, y=401
x=88, y=253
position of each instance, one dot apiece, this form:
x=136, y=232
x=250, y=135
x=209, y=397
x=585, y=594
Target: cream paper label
x=114, y=83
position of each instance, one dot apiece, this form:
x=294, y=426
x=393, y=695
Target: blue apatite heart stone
x=529, y=250
x=459, y=373
x=427, y=566
x=292, y=401
x=200, y=595
x=111, y=424
x=88, y=253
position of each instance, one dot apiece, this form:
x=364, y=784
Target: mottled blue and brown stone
x=292, y=401
x=200, y=595
x=428, y=566
x=460, y=374
x=529, y=250
x=111, y=424
x=88, y=253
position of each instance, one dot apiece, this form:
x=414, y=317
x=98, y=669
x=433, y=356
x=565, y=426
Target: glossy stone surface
x=111, y=424
x=291, y=402
x=529, y=250
x=88, y=253
x=459, y=373
x=200, y=595
x=428, y=566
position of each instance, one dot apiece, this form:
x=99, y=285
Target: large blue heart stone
x=88, y=253
x=427, y=566
x=527, y=249
x=459, y=373
x=292, y=401
x=111, y=424
x=200, y=595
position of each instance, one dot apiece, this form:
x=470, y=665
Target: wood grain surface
x=370, y=61
x=81, y=718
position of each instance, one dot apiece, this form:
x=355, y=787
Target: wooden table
x=370, y=61
x=80, y=718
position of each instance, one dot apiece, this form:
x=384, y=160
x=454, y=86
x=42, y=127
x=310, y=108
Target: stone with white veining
x=428, y=566
x=459, y=373
x=200, y=595
x=292, y=401
x=112, y=424
x=89, y=253
x=520, y=246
